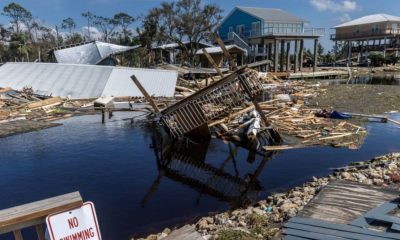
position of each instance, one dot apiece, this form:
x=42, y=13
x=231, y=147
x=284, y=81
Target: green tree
x=184, y=20
x=124, y=20
x=106, y=26
x=89, y=18
x=18, y=15
x=68, y=24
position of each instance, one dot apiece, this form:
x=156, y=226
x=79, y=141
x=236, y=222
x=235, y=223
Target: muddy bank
x=264, y=220
x=366, y=99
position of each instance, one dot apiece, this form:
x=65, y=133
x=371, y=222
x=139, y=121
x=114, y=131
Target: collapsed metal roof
x=375, y=18
x=212, y=50
x=89, y=53
x=86, y=81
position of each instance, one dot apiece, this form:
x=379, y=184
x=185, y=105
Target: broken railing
x=34, y=214
x=190, y=116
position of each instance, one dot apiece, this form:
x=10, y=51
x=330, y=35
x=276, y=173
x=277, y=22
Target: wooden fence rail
x=34, y=214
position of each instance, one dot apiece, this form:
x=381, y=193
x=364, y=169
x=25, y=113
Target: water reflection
x=185, y=162
x=380, y=79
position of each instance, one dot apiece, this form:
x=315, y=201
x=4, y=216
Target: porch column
x=301, y=54
x=270, y=51
x=276, y=53
x=282, y=55
x=384, y=47
x=315, y=54
x=288, y=63
x=334, y=54
x=296, y=55
x=349, y=43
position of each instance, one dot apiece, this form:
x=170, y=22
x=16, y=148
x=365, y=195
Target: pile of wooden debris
x=284, y=105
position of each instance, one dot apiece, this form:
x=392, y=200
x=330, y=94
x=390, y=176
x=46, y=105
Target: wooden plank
x=295, y=222
x=332, y=232
x=211, y=60
x=46, y=102
x=393, y=121
x=35, y=212
x=145, y=94
x=283, y=147
x=342, y=201
x=187, y=232
x=18, y=235
x=40, y=232
x=308, y=235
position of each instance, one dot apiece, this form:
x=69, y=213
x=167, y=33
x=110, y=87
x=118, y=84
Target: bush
x=377, y=59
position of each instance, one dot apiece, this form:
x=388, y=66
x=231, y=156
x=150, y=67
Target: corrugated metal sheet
x=272, y=15
x=90, y=53
x=375, y=18
x=156, y=82
x=86, y=81
x=219, y=50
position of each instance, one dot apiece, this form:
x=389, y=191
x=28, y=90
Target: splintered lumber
x=211, y=60
x=145, y=94
x=236, y=114
x=383, y=118
x=283, y=147
x=335, y=137
x=47, y=102
x=393, y=121
x=225, y=51
x=184, y=89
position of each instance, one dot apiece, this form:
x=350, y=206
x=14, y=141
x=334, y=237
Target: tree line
x=26, y=38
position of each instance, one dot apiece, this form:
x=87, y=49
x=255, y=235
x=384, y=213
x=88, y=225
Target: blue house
x=262, y=31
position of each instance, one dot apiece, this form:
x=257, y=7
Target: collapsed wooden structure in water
x=190, y=116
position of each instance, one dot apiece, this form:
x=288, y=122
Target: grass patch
x=229, y=234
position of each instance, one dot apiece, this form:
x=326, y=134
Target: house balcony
x=389, y=32
x=271, y=32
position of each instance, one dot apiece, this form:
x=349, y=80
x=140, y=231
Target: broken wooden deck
x=342, y=201
x=346, y=210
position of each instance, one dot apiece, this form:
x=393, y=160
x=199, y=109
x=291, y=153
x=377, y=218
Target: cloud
x=334, y=5
x=344, y=18
x=95, y=34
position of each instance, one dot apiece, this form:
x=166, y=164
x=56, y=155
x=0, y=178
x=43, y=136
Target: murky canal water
x=374, y=79
x=136, y=192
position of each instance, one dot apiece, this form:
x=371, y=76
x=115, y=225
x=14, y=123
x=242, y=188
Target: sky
x=319, y=13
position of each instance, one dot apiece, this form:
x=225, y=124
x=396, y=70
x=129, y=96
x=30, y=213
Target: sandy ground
x=366, y=99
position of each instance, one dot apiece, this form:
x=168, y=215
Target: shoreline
x=264, y=220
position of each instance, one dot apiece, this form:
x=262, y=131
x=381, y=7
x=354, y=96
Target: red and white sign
x=77, y=224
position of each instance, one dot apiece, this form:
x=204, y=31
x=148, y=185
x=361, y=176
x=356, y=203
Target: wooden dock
x=347, y=210
x=319, y=75
x=342, y=201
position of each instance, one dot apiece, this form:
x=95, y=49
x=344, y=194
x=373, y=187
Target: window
x=230, y=29
x=375, y=28
x=255, y=29
x=240, y=29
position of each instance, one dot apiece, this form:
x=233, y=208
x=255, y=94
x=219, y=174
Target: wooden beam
x=31, y=214
x=18, y=235
x=40, y=232
x=145, y=94
x=225, y=51
x=211, y=60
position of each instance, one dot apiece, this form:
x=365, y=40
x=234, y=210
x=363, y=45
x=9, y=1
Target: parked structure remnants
x=378, y=32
